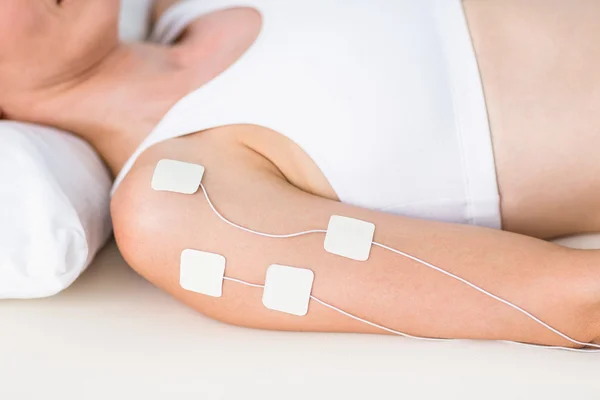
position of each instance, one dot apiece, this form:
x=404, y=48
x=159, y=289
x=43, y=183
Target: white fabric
x=384, y=96
x=54, y=216
x=135, y=20
x=114, y=335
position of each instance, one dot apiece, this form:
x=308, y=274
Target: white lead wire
x=422, y=262
x=254, y=285
x=493, y=296
x=347, y=314
x=269, y=235
x=406, y=335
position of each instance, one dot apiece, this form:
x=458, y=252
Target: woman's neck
x=117, y=103
x=114, y=103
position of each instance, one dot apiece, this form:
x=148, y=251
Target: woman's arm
x=556, y=284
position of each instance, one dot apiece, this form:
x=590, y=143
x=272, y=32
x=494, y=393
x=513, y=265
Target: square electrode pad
x=349, y=237
x=177, y=176
x=202, y=272
x=287, y=289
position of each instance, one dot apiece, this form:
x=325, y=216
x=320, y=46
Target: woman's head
x=45, y=42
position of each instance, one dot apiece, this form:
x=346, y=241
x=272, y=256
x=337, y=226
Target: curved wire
x=269, y=235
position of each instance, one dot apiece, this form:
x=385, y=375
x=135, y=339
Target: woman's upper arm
x=154, y=228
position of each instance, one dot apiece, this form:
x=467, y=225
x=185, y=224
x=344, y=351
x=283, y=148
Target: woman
x=372, y=110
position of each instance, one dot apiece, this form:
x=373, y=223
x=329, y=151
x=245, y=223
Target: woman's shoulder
x=218, y=148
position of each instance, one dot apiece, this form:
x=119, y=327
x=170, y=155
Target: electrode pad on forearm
x=287, y=289
x=349, y=237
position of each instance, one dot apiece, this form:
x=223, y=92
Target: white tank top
x=383, y=95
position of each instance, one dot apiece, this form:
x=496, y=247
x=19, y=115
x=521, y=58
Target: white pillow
x=54, y=209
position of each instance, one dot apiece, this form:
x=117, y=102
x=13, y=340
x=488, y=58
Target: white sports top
x=384, y=96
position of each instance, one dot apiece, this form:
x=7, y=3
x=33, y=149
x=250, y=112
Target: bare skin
x=539, y=64
x=546, y=164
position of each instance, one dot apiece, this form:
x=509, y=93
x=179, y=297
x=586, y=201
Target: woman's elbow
x=136, y=216
x=152, y=229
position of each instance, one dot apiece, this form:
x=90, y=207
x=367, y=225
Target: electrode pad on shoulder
x=177, y=176
x=202, y=272
x=349, y=237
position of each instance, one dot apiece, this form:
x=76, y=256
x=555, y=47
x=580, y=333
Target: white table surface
x=113, y=335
